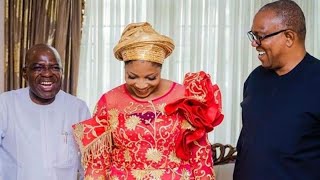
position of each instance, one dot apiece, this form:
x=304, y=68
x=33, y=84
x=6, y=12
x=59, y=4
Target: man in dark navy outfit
x=280, y=137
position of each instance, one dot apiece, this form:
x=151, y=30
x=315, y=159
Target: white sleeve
x=81, y=173
x=84, y=112
x=84, y=115
x=3, y=122
x=3, y=119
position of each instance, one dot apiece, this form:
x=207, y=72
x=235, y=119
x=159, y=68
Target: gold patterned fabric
x=139, y=41
x=134, y=139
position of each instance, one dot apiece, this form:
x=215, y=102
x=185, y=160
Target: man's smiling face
x=43, y=74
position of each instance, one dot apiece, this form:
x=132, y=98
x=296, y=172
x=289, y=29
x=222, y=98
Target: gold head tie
x=139, y=41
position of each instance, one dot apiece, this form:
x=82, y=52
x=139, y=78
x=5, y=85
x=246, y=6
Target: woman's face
x=142, y=78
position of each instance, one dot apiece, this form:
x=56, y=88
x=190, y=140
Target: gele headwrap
x=139, y=41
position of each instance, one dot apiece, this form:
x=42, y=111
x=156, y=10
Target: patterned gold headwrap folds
x=139, y=41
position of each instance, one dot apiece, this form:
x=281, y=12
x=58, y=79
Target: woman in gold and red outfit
x=149, y=127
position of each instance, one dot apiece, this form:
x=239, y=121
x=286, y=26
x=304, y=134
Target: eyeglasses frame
x=253, y=37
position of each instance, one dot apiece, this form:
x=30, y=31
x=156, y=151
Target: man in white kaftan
x=36, y=140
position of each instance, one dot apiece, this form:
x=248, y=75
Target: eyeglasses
x=39, y=68
x=253, y=37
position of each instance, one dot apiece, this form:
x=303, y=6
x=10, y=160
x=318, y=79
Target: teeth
x=261, y=53
x=46, y=83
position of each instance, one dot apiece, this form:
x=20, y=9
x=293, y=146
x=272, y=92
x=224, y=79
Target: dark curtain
x=54, y=22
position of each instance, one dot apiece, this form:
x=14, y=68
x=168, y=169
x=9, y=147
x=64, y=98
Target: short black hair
x=41, y=47
x=291, y=14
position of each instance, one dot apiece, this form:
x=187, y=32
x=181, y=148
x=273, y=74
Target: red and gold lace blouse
x=131, y=139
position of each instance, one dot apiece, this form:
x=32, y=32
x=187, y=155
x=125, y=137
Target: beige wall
x=1, y=45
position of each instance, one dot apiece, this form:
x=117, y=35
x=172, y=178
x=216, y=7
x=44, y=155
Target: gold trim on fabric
x=186, y=125
x=96, y=148
x=153, y=155
x=146, y=173
x=79, y=131
x=173, y=158
x=92, y=178
x=132, y=122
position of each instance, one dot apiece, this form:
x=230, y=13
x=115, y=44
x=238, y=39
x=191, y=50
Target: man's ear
x=290, y=37
x=24, y=73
